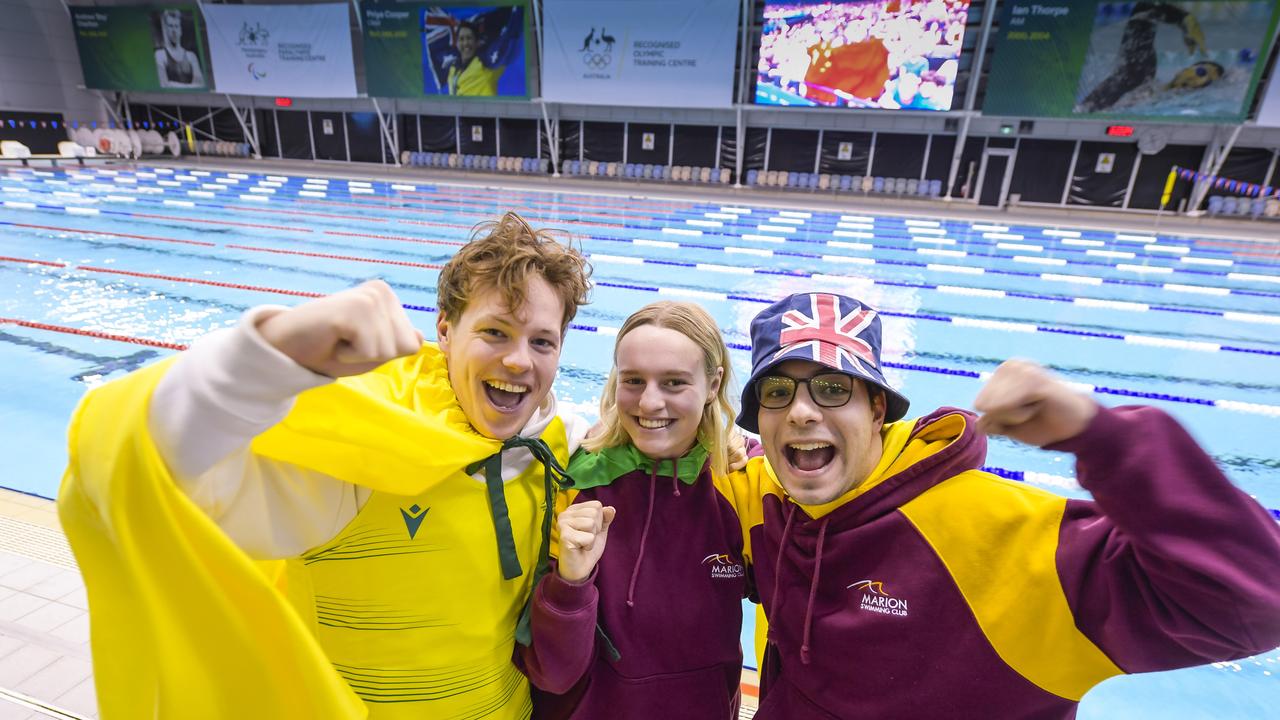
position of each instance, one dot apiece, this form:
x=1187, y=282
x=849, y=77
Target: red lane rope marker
x=92, y=333
x=34, y=262
x=245, y=208
x=217, y=222
x=327, y=256
x=398, y=238
x=197, y=281
x=115, y=234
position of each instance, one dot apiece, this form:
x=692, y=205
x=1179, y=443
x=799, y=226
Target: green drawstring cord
x=554, y=476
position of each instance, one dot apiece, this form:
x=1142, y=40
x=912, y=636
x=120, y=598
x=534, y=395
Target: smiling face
x=501, y=363
x=662, y=390
x=820, y=453
x=467, y=45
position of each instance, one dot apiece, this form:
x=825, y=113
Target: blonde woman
x=642, y=614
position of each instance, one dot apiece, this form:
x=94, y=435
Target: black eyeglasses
x=830, y=390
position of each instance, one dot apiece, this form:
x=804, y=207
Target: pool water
x=104, y=270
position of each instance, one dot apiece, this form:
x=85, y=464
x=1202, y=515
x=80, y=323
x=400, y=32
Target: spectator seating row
x=226, y=149
x=645, y=171
x=910, y=187
x=1240, y=206
x=490, y=163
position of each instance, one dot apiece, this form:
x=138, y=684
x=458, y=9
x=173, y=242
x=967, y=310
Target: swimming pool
x=106, y=269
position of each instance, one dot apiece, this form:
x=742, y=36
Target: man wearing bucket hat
x=900, y=580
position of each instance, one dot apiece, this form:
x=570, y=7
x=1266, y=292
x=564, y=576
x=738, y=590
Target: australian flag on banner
x=499, y=41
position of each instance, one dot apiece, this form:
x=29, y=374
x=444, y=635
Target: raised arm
x=1173, y=565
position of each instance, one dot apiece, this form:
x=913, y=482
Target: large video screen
x=471, y=51
x=1191, y=60
x=886, y=54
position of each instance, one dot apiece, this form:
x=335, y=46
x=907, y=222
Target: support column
x=971, y=94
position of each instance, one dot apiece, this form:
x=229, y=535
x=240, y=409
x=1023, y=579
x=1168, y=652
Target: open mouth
x=810, y=456
x=656, y=424
x=505, y=396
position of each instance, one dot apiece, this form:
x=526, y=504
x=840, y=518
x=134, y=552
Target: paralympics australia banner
x=294, y=50
x=458, y=51
x=141, y=49
x=655, y=53
x=1196, y=60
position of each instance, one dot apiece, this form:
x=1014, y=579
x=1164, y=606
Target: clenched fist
x=1027, y=403
x=584, y=530
x=347, y=333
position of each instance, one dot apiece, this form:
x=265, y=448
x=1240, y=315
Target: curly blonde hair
x=690, y=320
x=501, y=255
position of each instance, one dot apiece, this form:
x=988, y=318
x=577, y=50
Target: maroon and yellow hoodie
x=937, y=590
x=667, y=593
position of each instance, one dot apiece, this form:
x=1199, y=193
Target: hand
x=1025, y=402
x=584, y=531
x=1192, y=35
x=347, y=333
x=737, y=448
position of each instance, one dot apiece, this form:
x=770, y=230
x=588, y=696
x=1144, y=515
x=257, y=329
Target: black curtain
x=1154, y=171
x=267, y=138
x=970, y=163
x=829, y=160
x=753, y=153
x=40, y=132
x=365, y=137
x=602, y=141
x=729, y=147
x=938, y=167
x=332, y=146
x=1104, y=189
x=407, y=126
x=226, y=127
x=570, y=132
x=488, y=142
x=793, y=150
x=141, y=115
x=165, y=118
x=519, y=137
x=439, y=133
x=898, y=155
x=295, y=137
x=1041, y=169
x=695, y=146
x=190, y=114
x=661, y=143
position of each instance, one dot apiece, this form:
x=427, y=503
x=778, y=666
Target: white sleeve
x=221, y=393
x=575, y=429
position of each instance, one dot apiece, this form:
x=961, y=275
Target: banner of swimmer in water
x=1197, y=60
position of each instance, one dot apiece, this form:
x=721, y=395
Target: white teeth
x=507, y=387
x=653, y=424
x=809, y=446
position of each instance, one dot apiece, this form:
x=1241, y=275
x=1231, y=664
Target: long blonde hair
x=693, y=322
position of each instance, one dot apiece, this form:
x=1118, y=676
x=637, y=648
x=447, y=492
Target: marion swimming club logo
x=723, y=566
x=876, y=599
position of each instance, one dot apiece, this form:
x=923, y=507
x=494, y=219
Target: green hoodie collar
x=596, y=469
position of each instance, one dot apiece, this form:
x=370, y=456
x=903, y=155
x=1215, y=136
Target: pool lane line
x=1120, y=267
x=934, y=267
x=599, y=257
x=1233, y=405
x=451, y=190
x=959, y=321
x=92, y=333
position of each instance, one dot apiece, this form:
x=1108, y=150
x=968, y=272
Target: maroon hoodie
x=946, y=592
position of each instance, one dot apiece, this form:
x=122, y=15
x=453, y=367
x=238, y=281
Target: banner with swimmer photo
x=1194, y=60
x=153, y=48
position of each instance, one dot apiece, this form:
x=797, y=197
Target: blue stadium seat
x=1256, y=207
x=1229, y=204
x=1215, y=205
x=541, y=165
x=935, y=188
x=913, y=186
x=752, y=177
x=646, y=170
x=493, y=162
x=900, y=186
x=877, y=185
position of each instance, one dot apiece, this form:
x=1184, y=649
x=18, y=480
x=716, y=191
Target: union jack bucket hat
x=834, y=330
